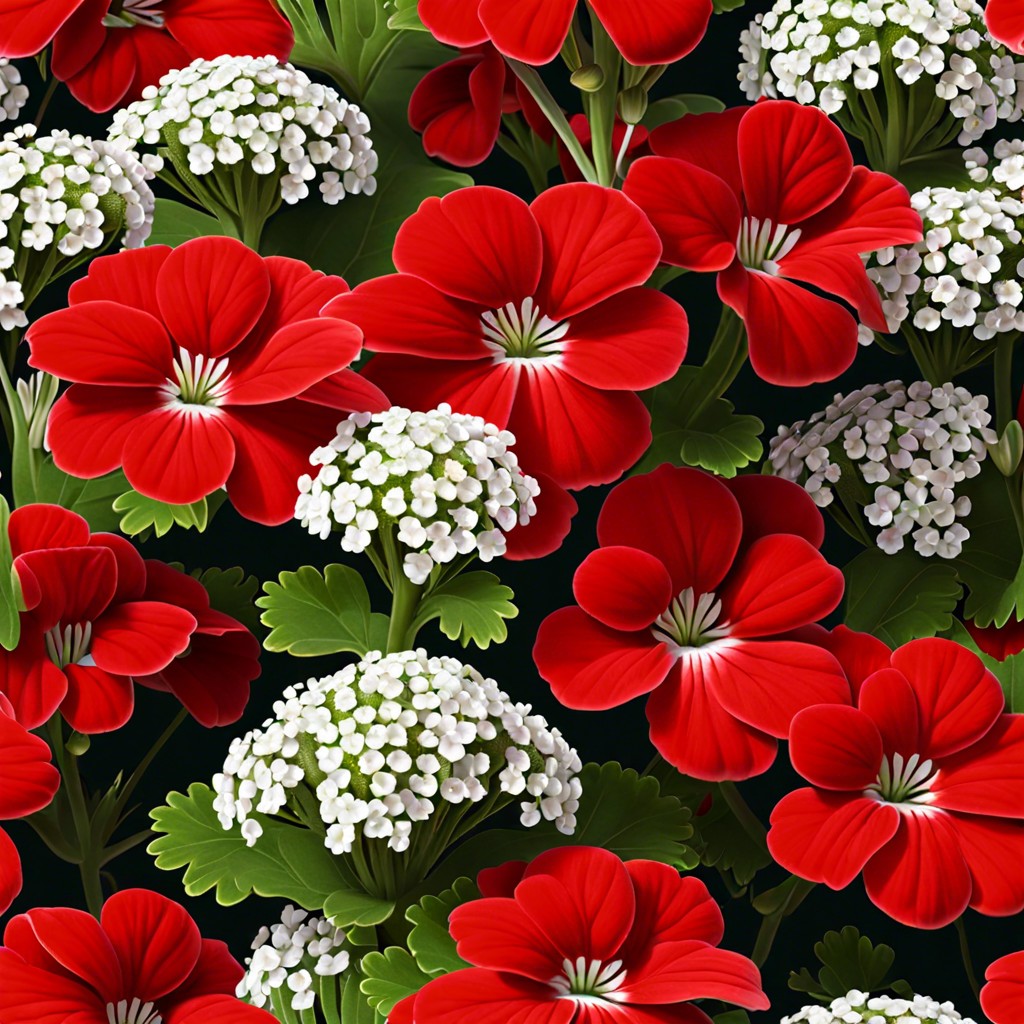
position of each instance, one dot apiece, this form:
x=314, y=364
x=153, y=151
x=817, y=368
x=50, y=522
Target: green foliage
x=91, y=499
x=391, y=975
x=430, y=942
x=472, y=606
x=849, y=961
x=288, y=861
x=347, y=907
x=174, y=223
x=140, y=514
x=732, y=1017
x=309, y=614
x=1010, y=672
x=900, y=597
x=355, y=1007
x=406, y=16
x=721, y=6
x=10, y=589
x=671, y=108
x=233, y=593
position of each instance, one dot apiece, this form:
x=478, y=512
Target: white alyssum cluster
x=861, y=1008
x=294, y=954
x=820, y=51
x=259, y=113
x=69, y=193
x=449, y=482
x=13, y=92
x=911, y=444
x=385, y=743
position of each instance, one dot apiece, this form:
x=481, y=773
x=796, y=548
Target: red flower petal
x=595, y=668
x=31, y=681
x=38, y=527
x=347, y=391
x=10, y=877
x=860, y=654
x=835, y=747
x=78, y=943
x=528, y=30
x=994, y=852
x=486, y=997
x=829, y=837
x=216, y=972
x=28, y=780
x=669, y=908
x=656, y=32
x=74, y=584
x=454, y=22
x=887, y=699
x=496, y=933
x=29, y=995
x=501, y=880
x=1005, y=21
x=208, y=28
x=106, y=80
x=545, y=532
x=223, y=1009
x=685, y=517
x=706, y=140
x=131, y=569
x=999, y=642
x=140, y=637
x=96, y=701
x=843, y=275
x=27, y=26
x=986, y=778
x=623, y=588
x=1002, y=998
x=156, y=53
x=127, y=278
x=772, y=505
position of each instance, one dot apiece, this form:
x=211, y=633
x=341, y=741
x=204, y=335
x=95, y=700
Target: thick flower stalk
x=13, y=92
x=894, y=454
x=906, y=79
x=243, y=134
x=861, y=1008
x=366, y=754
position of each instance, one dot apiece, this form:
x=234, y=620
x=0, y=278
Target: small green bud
x=1006, y=453
x=78, y=744
x=588, y=78
x=633, y=105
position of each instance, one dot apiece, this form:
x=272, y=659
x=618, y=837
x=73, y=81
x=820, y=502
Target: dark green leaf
x=347, y=907
x=91, y=499
x=721, y=6
x=430, y=942
x=174, y=223
x=140, y=513
x=732, y=1016
x=233, y=593
x=309, y=614
x=472, y=606
x=10, y=589
x=849, y=961
x=390, y=977
x=1010, y=672
x=671, y=108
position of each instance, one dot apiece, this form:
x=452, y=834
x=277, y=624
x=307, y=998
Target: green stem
x=725, y=359
x=90, y=864
x=743, y=814
x=405, y=600
x=602, y=104
x=965, y=955
x=45, y=102
x=663, y=276
x=772, y=922
x=1003, y=380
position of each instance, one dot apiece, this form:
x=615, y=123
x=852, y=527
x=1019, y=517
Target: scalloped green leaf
x=472, y=607
x=347, y=907
x=232, y=592
x=430, y=942
x=849, y=961
x=139, y=513
x=10, y=589
x=390, y=976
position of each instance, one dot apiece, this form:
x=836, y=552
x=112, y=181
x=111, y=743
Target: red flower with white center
x=143, y=962
x=655, y=32
x=530, y=316
x=212, y=677
x=586, y=939
x=89, y=627
x=200, y=367
x=109, y=50
x=768, y=195
x=917, y=787
x=1002, y=998
x=1005, y=20
x=684, y=599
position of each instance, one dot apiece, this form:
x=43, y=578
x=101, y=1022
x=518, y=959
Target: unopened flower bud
x=78, y=744
x=37, y=395
x=1007, y=451
x=588, y=78
x=633, y=105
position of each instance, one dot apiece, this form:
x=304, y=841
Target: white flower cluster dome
x=64, y=192
x=911, y=444
x=259, y=112
x=818, y=51
x=449, y=483
x=295, y=955
x=13, y=93
x=385, y=743
x=860, y=1008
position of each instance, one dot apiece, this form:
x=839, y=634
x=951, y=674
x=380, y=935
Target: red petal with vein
x=656, y=32
x=987, y=778
x=841, y=274
x=960, y=699
x=1002, y=998
x=794, y=161
x=501, y=880
x=581, y=899
x=693, y=732
x=75, y=584
x=669, y=908
x=140, y=637
x=999, y=642
x=127, y=278
x=528, y=30
x=107, y=79
x=78, y=943
x=36, y=527
x=31, y=681
x=156, y=53
x=27, y=26
x=887, y=699
x=208, y=28
x=404, y=314
x=1005, y=20
x=623, y=588
x=348, y=391
x=223, y=1009
x=694, y=211
x=595, y=668
x=486, y=997
x=795, y=336
x=178, y=456
x=101, y=343
x=835, y=747
x=994, y=851
x=829, y=837
x=216, y=972
x=10, y=875
x=497, y=933
x=597, y=242
x=689, y=520
x=707, y=140
x=212, y=291
x=609, y=1013
x=155, y=940
x=28, y=780
x=131, y=569
x=632, y=341
x=545, y=532
x=860, y=654
x=29, y=995
x=454, y=22
x=479, y=244
x=772, y=505
x=96, y=701
x=779, y=583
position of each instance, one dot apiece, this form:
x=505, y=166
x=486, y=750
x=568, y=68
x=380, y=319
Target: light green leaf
x=900, y=597
x=91, y=499
x=287, y=861
x=390, y=977
x=430, y=942
x=355, y=1007
x=233, y=593
x=406, y=16
x=472, y=606
x=10, y=589
x=671, y=108
x=721, y=6
x=347, y=907
x=309, y=614
x=1010, y=672
x=849, y=961
x=140, y=513
x=174, y=223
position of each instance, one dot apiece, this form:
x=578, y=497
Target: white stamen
x=589, y=980
x=69, y=645
x=137, y=12
x=690, y=621
x=904, y=781
x=201, y=381
x=135, y=1012
x=522, y=332
x=762, y=244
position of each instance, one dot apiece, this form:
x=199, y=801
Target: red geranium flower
x=769, y=196
x=109, y=50
x=1005, y=20
x=530, y=316
x=200, y=367
x=693, y=580
x=586, y=939
x=1002, y=998
x=918, y=787
x=89, y=626
x=143, y=961
x=655, y=32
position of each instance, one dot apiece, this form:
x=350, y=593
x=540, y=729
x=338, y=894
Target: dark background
x=930, y=961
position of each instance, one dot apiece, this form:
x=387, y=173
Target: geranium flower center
x=690, y=621
x=69, y=645
x=134, y=1012
x=126, y=13
x=762, y=243
x=523, y=332
x=589, y=979
x=201, y=381
x=904, y=780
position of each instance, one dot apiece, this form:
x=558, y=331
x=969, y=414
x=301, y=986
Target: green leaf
x=91, y=499
x=355, y=1007
x=900, y=597
x=174, y=223
x=233, y=593
x=671, y=108
x=10, y=590
x=472, y=606
x=309, y=614
x=141, y=513
x=287, y=861
x=347, y=907
x=406, y=16
x=390, y=977
x=1010, y=672
x=732, y=1017
x=430, y=942
x=849, y=961
x=721, y=6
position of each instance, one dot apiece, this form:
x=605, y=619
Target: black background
x=928, y=960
